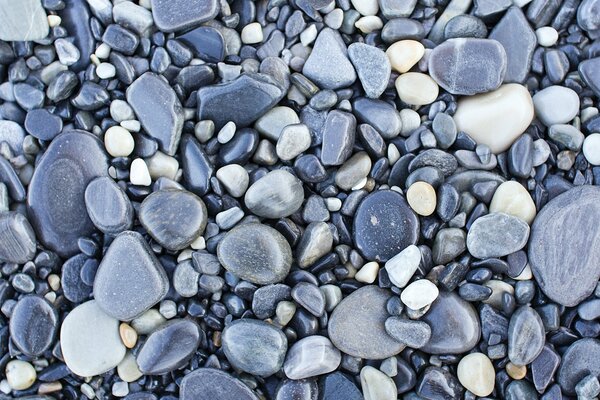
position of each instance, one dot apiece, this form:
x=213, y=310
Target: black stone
x=338, y=386
x=437, y=383
x=206, y=43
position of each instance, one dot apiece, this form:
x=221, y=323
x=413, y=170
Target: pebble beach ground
x=299, y=199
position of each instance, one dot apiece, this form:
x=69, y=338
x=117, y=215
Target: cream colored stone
x=403, y=265
x=368, y=272
x=366, y=7
x=591, y=148
x=516, y=372
x=148, y=322
x=285, y=312
x=419, y=294
x=403, y=55
x=118, y=141
x=476, y=373
x=547, y=36
x=416, y=89
x=252, y=33
x=498, y=289
x=376, y=385
x=496, y=118
x=128, y=335
x=513, y=199
x=161, y=164
x=369, y=24
x=20, y=374
x=421, y=198
x=139, y=174
x=128, y=370
x=235, y=179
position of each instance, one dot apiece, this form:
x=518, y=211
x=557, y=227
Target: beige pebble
x=128, y=370
x=366, y=7
x=422, y=198
x=368, y=272
x=49, y=387
x=54, y=281
x=476, y=373
x=403, y=55
x=369, y=24
x=498, y=289
x=285, y=312
x=161, y=164
x=517, y=372
x=416, y=89
x=513, y=198
x=118, y=141
x=20, y=374
x=128, y=335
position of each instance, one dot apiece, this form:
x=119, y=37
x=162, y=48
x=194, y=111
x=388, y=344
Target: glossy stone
x=256, y=253
x=42, y=124
x=358, y=319
x=338, y=386
x=497, y=235
x=304, y=389
x=311, y=356
x=206, y=42
x=384, y=225
x=129, y=279
x=108, y=206
x=455, y=326
x=380, y=115
x=339, y=133
x=176, y=15
x=544, y=367
x=17, y=238
x=277, y=194
x=414, y=334
x=526, y=336
x=56, y=193
x=197, y=167
x=328, y=65
x=564, y=233
x=174, y=218
x=310, y=297
x=73, y=286
x=590, y=72
x=213, y=384
x=169, y=347
x=254, y=346
x=33, y=325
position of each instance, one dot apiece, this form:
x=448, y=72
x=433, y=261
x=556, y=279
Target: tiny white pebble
x=118, y=141
x=204, y=130
x=226, y=133
x=393, y=154
x=361, y=184
x=103, y=51
x=168, y=309
x=50, y=296
x=54, y=20
x=252, y=33
x=308, y=35
x=184, y=255
x=368, y=272
x=333, y=204
x=87, y=391
x=106, y=70
x=139, y=174
x=547, y=36
x=120, y=389
x=199, y=243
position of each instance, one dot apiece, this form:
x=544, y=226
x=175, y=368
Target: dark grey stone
x=401, y=29
x=108, y=206
x=33, y=325
x=544, y=367
x=464, y=26
x=380, y=115
x=213, y=384
x=206, y=42
x=581, y=359
x=73, y=286
x=437, y=383
x=337, y=386
x=339, y=133
x=197, y=167
x=520, y=157
x=176, y=15
x=526, y=336
x=17, y=238
x=266, y=298
x=449, y=243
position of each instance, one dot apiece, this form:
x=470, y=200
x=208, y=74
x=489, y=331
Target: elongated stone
x=565, y=234
x=277, y=194
x=176, y=15
x=339, y=132
x=213, y=384
x=311, y=356
x=56, y=192
x=526, y=336
x=33, y=325
x=108, y=206
x=497, y=235
x=17, y=238
x=197, y=167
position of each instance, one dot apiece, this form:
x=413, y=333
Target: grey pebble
x=339, y=133
x=310, y=297
x=213, y=384
x=17, y=238
x=372, y=66
x=108, y=206
x=12, y=134
x=526, y=336
x=33, y=325
x=497, y=235
x=275, y=195
x=412, y=333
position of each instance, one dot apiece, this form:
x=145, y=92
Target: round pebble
x=20, y=374
x=422, y=198
x=476, y=373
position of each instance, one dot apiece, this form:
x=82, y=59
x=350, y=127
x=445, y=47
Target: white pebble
x=120, y=389
x=411, y=120
x=199, y=243
x=368, y=272
x=366, y=7
x=393, y=154
x=252, y=33
x=161, y=164
x=476, y=373
x=513, y=198
x=204, y=130
x=139, y=174
x=20, y=374
x=168, y=309
x=308, y=35
x=547, y=36
x=132, y=125
x=403, y=265
x=226, y=133
x=369, y=24
x=416, y=89
x=293, y=141
x=419, y=294
x=106, y=70
x=5, y=387
x=333, y=204
x=235, y=179
x=118, y=141
x=335, y=18
x=54, y=20
x=376, y=385
x=404, y=54
x=103, y=51
x=591, y=148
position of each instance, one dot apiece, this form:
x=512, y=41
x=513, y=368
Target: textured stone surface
x=497, y=235
x=277, y=194
x=213, y=384
x=526, y=336
x=17, y=239
x=311, y=356
x=108, y=206
x=176, y=15
x=372, y=66
x=328, y=65
x=33, y=325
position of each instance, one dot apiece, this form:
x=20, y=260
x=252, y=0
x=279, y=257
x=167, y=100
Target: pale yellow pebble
x=128, y=370
x=417, y=89
x=368, y=272
x=369, y=24
x=422, y=198
x=526, y=274
x=20, y=374
x=403, y=55
x=54, y=20
x=366, y=7
x=128, y=335
x=513, y=198
x=54, y=281
x=161, y=164
x=118, y=141
x=476, y=373
x=517, y=372
x=50, y=296
x=49, y=387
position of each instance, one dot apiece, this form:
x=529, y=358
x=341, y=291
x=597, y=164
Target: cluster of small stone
x=299, y=200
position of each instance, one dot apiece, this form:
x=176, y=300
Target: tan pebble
x=403, y=55
x=515, y=371
x=368, y=272
x=422, y=198
x=128, y=370
x=513, y=199
x=54, y=282
x=476, y=373
x=217, y=338
x=417, y=89
x=128, y=335
x=49, y=387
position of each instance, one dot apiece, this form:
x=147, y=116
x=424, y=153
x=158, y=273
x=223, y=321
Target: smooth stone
x=474, y=115
x=130, y=279
x=56, y=192
x=275, y=195
x=512, y=198
x=294, y=140
x=359, y=318
x=309, y=297
x=20, y=375
x=33, y=325
x=372, y=67
x=41, y=124
x=10, y=179
x=108, y=206
x=384, y=225
x=520, y=157
x=556, y=105
x=417, y=89
x=239, y=149
x=444, y=129
x=590, y=72
x=311, y=356
x=196, y=165
x=174, y=218
x=120, y=39
x=254, y=95
x=468, y=66
x=133, y=17
x=567, y=136
x=419, y=294
x=564, y=233
x=517, y=37
x=339, y=133
x=158, y=109
x=213, y=384
x=412, y=333
x=448, y=244
x=23, y=20
x=547, y=36
x=465, y=26
x=12, y=134
x=17, y=238
x=328, y=65
x=338, y=386
x=185, y=279
x=272, y=123
x=587, y=16
x=395, y=8
x=353, y=171
x=255, y=347
x=454, y=323
x=206, y=42
x=454, y=8
x=178, y=15
x=526, y=336
x=71, y=16
x=256, y=253
x=402, y=29
x=266, y=298
x=169, y=347
x=90, y=341
x=438, y=383
x=544, y=367
x=476, y=373
x=422, y=198
x=581, y=359
x=74, y=288
x=497, y=235
x=402, y=266
x=304, y=389
x=405, y=54
x=380, y=115
x=376, y=385
x=591, y=148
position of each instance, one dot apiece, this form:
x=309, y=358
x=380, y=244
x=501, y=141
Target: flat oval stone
x=175, y=15
x=42, y=124
x=454, y=323
x=130, y=279
x=581, y=359
x=357, y=325
x=474, y=115
x=311, y=356
x=384, y=225
x=213, y=384
x=526, y=336
x=108, y=206
x=497, y=235
x=174, y=218
x=256, y=253
x=372, y=66
x=565, y=245
x=275, y=195
x=17, y=238
x=90, y=341
x=476, y=373
x=33, y=325
x=254, y=346
x=468, y=66
x=169, y=347
x=56, y=192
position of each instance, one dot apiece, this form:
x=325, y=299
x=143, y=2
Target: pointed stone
x=526, y=336
x=328, y=65
x=372, y=66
